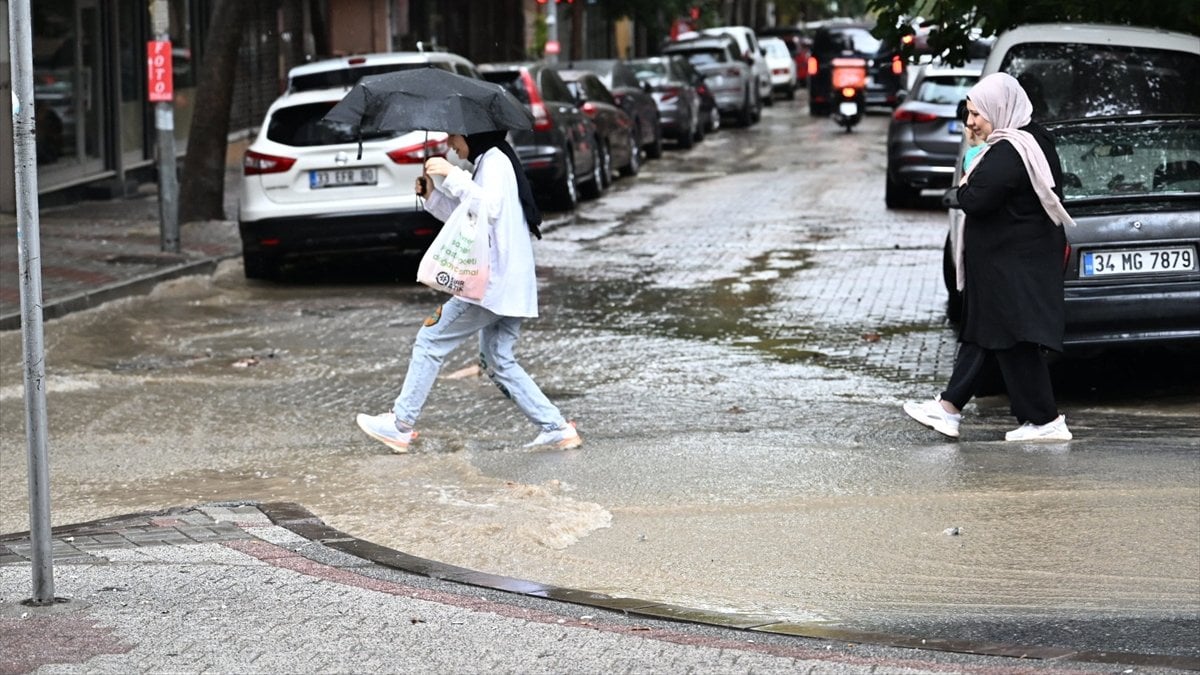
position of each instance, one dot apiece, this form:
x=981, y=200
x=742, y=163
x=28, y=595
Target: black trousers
x=1026, y=376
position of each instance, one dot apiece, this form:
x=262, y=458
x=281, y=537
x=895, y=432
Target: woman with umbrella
x=499, y=194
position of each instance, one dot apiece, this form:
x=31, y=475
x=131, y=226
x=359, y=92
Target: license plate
x=327, y=178
x=955, y=127
x=847, y=108
x=1139, y=261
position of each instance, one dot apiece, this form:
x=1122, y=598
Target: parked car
x=727, y=76
x=310, y=189
x=560, y=154
x=1122, y=104
x=887, y=76
x=620, y=79
x=752, y=53
x=830, y=41
x=783, y=68
x=672, y=82
x=799, y=43
x=619, y=147
x=925, y=134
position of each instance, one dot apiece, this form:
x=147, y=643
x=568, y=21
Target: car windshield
x=1129, y=158
x=647, y=70
x=301, y=126
x=944, y=89
x=704, y=57
x=510, y=80
x=1066, y=81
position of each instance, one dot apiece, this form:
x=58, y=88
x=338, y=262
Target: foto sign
x=159, y=82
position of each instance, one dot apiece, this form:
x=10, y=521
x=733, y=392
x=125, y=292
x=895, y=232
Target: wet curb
x=138, y=285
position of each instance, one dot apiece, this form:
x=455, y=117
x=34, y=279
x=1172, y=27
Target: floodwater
x=733, y=332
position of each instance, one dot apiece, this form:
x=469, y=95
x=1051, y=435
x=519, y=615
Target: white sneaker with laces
x=561, y=438
x=934, y=416
x=1051, y=431
x=383, y=428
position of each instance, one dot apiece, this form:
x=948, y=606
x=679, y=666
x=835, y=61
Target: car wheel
x=595, y=184
x=770, y=99
x=791, y=92
x=257, y=265
x=818, y=109
x=606, y=171
x=756, y=113
x=655, y=149
x=954, y=299
x=745, y=116
x=566, y=194
x=687, y=137
x=898, y=196
x=635, y=156
x=714, y=120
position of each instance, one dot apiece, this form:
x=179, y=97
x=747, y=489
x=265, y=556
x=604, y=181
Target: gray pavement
x=270, y=588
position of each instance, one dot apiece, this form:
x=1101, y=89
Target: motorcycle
x=849, y=90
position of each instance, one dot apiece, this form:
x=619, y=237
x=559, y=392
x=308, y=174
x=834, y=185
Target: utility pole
x=20, y=36
x=552, y=44
x=161, y=93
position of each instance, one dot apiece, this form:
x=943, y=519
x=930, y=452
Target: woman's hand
x=438, y=166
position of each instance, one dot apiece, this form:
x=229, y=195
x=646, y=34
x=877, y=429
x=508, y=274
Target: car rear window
x=1067, y=81
x=347, y=77
x=1120, y=159
x=301, y=126
x=944, y=88
x=510, y=80
x=702, y=57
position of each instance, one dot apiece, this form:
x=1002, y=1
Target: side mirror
x=950, y=199
x=901, y=96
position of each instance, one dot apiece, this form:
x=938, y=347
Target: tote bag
x=457, y=260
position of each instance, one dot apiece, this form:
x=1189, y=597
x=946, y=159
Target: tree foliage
x=957, y=21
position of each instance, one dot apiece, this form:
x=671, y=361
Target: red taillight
x=904, y=115
x=780, y=71
x=813, y=66
x=541, y=118
x=733, y=72
x=670, y=93
x=897, y=66
x=255, y=163
x=417, y=154
x=589, y=109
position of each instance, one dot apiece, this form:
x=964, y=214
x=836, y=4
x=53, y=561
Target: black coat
x=1012, y=252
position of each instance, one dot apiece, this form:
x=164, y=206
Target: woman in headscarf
x=499, y=194
x=1010, y=266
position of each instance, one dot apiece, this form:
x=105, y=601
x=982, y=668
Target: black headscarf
x=477, y=144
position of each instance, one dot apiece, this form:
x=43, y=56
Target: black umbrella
x=431, y=99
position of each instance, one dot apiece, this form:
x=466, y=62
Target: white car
x=782, y=65
x=310, y=189
x=751, y=53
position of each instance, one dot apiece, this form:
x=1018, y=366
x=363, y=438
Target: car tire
x=954, y=299
x=566, y=194
x=899, y=196
x=713, y=125
x=261, y=266
x=756, y=112
x=655, y=149
x=635, y=156
x=688, y=137
x=594, y=187
x=745, y=116
x=818, y=109
x=606, y=170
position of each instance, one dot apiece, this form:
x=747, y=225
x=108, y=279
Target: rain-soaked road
x=734, y=332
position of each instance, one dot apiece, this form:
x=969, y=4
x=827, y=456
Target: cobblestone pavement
x=242, y=588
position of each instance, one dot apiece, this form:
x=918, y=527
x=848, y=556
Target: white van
x=752, y=53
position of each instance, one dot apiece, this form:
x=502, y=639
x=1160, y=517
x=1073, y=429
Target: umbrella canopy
x=431, y=99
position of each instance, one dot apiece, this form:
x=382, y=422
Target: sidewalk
x=268, y=588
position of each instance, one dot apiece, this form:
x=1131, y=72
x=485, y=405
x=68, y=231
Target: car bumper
x=543, y=164
x=390, y=231
x=1133, y=313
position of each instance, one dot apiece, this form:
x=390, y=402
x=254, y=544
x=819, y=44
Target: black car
x=561, y=153
x=619, y=147
x=673, y=83
x=830, y=42
x=620, y=79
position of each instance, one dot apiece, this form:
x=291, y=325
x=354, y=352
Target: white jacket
x=492, y=194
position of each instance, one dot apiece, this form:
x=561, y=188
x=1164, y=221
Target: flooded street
x=734, y=332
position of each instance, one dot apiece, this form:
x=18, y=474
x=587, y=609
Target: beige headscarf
x=1000, y=100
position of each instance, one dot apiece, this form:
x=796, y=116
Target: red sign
x=552, y=46
x=160, y=85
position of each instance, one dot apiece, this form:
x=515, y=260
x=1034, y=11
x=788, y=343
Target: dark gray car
x=672, y=82
x=620, y=79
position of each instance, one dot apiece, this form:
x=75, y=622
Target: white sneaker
x=934, y=416
x=562, y=438
x=1051, y=431
x=383, y=428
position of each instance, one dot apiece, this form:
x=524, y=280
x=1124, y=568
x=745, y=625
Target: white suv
x=310, y=189
x=753, y=54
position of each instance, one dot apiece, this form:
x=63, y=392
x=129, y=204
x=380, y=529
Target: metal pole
x=552, y=29
x=20, y=35
x=164, y=122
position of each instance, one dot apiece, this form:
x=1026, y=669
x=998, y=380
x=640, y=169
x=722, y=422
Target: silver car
x=729, y=78
x=925, y=134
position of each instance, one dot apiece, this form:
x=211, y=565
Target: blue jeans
x=450, y=326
